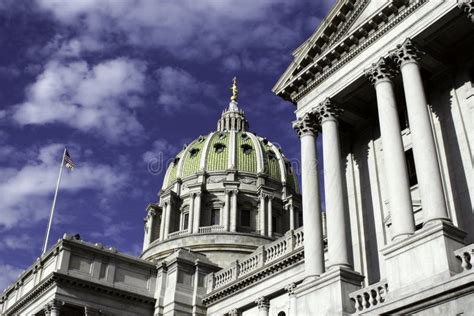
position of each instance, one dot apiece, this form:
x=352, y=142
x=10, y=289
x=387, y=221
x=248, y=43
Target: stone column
x=163, y=220
x=328, y=113
x=191, y=214
x=270, y=216
x=306, y=127
x=226, y=215
x=149, y=226
x=167, y=219
x=89, y=311
x=233, y=210
x=263, y=306
x=53, y=308
x=197, y=212
x=291, y=210
x=395, y=167
x=292, y=310
x=263, y=230
x=468, y=7
x=424, y=148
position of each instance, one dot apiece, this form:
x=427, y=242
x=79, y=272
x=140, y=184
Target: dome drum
x=224, y=194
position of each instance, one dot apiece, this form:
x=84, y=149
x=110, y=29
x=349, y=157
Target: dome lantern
x=233, y=118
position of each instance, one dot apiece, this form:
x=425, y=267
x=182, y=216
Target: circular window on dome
x=221, y=136
x=245, y=136
x=271, y=155
x=193, y=152
x=219, y=147
x=200, y=139
x=246, y=148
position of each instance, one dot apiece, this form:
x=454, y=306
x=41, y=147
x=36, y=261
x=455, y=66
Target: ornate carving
x=215, y=179
x=53, y=306
x=234, y=312
x=262, y=303
x=248, y=180
x=406, y=53
x=328, y=110
x=306, y=125
x=382, y=70
x=468, y=7
x=290, y=288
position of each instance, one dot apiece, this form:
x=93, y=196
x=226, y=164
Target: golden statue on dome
x=234, y=89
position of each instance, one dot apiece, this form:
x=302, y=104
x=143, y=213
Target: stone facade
x=389, y=87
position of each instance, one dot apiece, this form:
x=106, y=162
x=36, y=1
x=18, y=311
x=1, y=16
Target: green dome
x=231, y=147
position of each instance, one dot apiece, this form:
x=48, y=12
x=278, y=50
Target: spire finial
x=235, y=91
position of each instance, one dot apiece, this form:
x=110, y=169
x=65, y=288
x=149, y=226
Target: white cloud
x=188, y=29
x=8, y=274
x=26, y=192
x=21, y=242
x=160, y=148
x=98, y=99
x=179, y=90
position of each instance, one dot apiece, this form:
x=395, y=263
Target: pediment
x=344, y=17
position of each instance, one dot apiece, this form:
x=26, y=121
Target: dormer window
x=193, y=152
x=219, y=147
x=200, y=139
x=221, y=135
x=247, y=149
x=245, y=136
x=271, y=155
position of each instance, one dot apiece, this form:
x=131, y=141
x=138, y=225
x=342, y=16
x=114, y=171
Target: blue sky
x=121, y=83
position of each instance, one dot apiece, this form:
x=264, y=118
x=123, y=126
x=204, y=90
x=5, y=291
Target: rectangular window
x=215, y=216
x=274, y=224
x=245, y=218
x=411, y=167
x=185, y=221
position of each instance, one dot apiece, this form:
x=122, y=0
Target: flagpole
x=54, y=204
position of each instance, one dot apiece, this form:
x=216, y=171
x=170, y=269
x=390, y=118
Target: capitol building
x=388, y=85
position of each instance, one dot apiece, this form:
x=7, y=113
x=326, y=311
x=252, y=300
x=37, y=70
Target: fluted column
x=167, y=219
x=290, y=288
x=306, y=127
x=233, y=210
x=263, y=230
x=328, y=113
x=191, y=214
x=226, y=214
x=263, y=306
x=197, y=212
x=395, y=166
x=424, y=148
x=270, y=216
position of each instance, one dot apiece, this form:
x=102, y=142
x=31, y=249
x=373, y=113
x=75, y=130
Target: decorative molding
x=290, y=288
x=380, y=71
x=306, y=125
x=328, y=109
x=215, y=179
x=468, y=7
x=405, y=53
x=361, y=45
x=262, y=303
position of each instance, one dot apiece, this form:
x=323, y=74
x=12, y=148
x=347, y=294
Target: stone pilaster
x=270, y=215
x=395, y=167
x=263, y=305
x=53, y=308
x=428, y=172
x=292, y=307
x=328, y=113
x=307, y=129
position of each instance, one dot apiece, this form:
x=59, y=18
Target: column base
x=426, y=256
x=330, y=291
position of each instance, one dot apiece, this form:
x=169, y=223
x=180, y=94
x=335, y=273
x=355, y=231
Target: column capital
x=232, y=191
x=407, y=52
x=380, y=71
x=306, y=125
x=290, y=288
x=234, y=312
x=327, y=110
x=262, y=303
x=468, y=7
x=53, y=306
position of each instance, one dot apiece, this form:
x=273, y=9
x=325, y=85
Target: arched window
x=281, y=313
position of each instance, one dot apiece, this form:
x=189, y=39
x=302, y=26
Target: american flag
x=68, y=160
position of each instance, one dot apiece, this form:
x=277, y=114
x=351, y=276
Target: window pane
x=215, y=217
x=245, y=218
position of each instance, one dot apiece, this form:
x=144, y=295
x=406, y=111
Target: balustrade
x=465, y=255
x=370, y=296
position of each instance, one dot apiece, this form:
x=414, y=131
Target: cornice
x=346, y=49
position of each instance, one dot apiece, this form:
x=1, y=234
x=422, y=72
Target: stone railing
x=264, y=255
x=370, y=296
x=211, y=229
x=465, y=255
x=178, y=233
